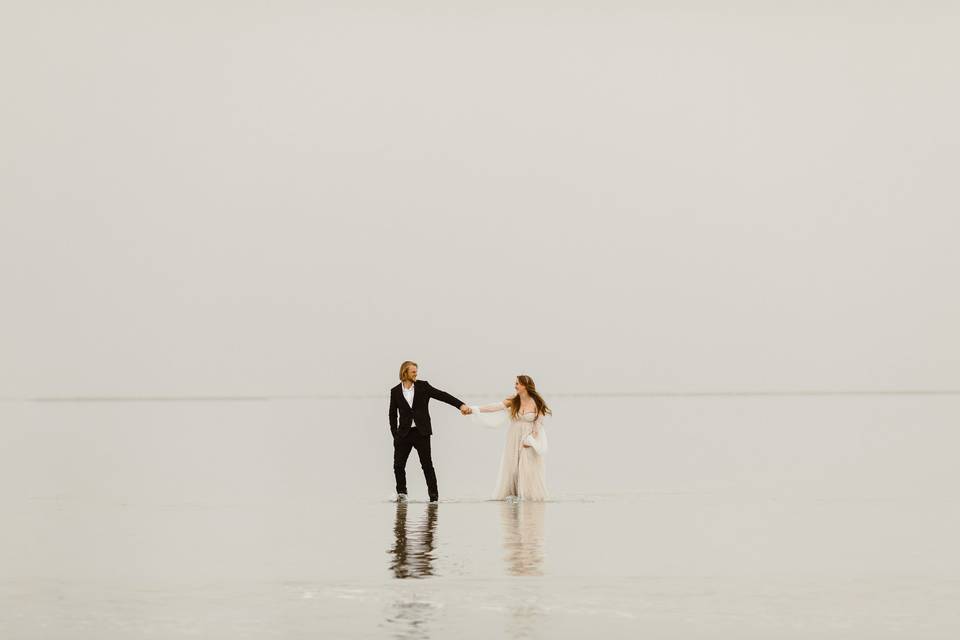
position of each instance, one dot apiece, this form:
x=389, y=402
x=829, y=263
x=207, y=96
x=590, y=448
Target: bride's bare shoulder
x=507, y=401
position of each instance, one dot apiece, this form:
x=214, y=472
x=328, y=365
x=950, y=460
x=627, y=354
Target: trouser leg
x=422, y=445
x=401, y=451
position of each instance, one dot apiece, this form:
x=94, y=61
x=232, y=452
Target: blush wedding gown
x=522, y=469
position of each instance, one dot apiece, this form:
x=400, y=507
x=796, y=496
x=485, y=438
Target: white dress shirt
x=408, y=393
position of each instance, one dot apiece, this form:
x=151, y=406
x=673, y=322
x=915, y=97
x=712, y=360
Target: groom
x=409, y=400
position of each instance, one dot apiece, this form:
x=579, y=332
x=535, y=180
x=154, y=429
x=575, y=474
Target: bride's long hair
x=542, y=408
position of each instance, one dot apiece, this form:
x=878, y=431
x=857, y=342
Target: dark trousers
x=402, y=444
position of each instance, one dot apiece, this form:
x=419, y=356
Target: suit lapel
x=419, y=394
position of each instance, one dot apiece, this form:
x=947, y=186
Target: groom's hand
x=465, y=410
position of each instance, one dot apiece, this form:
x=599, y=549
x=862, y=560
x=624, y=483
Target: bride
x=522, y=467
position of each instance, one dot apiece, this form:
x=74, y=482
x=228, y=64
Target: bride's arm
x=490, y=408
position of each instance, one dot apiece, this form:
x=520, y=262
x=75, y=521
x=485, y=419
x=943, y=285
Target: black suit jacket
x=419, y=415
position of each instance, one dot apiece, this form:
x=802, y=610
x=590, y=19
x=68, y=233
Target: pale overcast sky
x=291, y=198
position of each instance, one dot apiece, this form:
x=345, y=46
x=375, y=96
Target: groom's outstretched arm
x=393, y=415
x=443, y=396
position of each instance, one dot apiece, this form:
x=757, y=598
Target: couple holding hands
x=522, y=468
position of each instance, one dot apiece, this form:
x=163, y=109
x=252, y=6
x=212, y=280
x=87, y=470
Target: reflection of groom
x=409, y=400
x=412, y=556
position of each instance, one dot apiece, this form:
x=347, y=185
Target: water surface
x=678, y=517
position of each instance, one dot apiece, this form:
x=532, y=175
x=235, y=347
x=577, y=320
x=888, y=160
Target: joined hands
x=465, y=410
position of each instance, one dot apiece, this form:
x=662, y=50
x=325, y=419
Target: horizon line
x=369, y=396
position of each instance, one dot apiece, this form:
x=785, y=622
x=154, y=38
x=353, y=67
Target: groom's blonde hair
x=406, y=365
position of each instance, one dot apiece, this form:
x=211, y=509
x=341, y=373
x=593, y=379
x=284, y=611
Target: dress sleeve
x=537, y=439
x=490, y=416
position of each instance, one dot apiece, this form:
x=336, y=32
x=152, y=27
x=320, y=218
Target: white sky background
x=201, y=198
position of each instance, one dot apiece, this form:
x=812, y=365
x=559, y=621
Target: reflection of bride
x=523, y=537
x=522, y=466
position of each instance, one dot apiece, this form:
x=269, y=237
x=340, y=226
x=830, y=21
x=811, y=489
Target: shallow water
x=680, y=517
